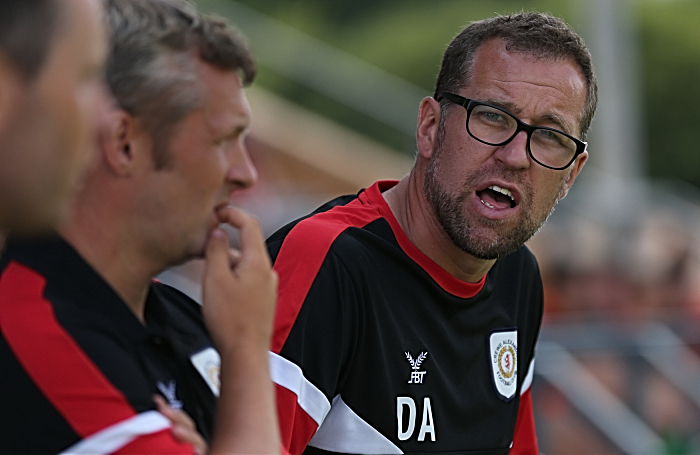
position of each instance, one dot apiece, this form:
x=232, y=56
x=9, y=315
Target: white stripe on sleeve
x=120, y=434
x=527, y=382
x=309, y=397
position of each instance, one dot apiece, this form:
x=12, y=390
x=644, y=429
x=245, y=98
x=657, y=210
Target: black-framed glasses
x=492, y=125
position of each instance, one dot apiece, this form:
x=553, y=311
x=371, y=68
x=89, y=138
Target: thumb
x=216, y=256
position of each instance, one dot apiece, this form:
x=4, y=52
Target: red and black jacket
x=377, y=349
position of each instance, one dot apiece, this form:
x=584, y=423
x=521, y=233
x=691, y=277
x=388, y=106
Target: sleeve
x=314, y=337
x=57, y=374
x=525, y=438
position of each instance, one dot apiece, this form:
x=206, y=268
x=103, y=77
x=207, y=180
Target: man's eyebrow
x=547, y=116
x=559, y=121
x=233, y=132
x=503, y=104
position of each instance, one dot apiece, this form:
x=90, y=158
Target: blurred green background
x=407, y=37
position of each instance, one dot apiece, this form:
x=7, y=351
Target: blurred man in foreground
x=87, y=337
x=51, y=91
x=411, y=323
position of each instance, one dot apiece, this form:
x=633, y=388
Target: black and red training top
x=377, y=349
x=79, y=369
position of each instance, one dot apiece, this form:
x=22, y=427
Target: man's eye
x=550, y=136
x=491, y=116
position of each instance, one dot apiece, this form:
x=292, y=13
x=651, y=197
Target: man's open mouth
x=496, y=197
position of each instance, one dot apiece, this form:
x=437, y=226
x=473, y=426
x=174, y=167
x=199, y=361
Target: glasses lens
x=552, y=148
x=491, y=125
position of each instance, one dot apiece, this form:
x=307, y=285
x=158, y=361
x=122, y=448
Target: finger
x=250, y=234
x=163, y=407
x=192, y=437
x=176, y=417
x=182, y=426
x=184, y=421
x=234, y=257
x=232, y=215
x=216, y=255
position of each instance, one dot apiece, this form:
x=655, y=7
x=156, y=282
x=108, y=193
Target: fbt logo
x=416, y=374
x=406, y=415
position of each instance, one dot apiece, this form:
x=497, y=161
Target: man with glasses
x=410, y=324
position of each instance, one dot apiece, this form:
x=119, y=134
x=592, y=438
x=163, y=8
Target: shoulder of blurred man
x=70, y=324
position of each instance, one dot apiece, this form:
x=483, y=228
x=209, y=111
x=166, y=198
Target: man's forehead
x=522, y=82
x=497, y=56
x=226, y=106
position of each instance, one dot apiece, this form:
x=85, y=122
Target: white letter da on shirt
x=427, y=425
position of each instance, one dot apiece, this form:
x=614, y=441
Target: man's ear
x=575, y=170
x=429, y=115
x=121, y=143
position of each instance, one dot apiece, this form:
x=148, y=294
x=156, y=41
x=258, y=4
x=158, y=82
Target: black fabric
x=371, y=303
x=133, y=357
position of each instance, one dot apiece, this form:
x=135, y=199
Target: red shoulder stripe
x=525, y=437
x=58, y=366
x=302, y=254
x=296, y=426
x=51, y=357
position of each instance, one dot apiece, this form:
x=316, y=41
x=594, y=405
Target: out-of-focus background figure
x=51, y=96
x=86, y=337
x=619, y=356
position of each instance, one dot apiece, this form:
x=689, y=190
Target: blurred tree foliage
x=670, y=42
x=407, y=38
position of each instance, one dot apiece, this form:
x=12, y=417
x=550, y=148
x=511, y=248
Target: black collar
x=72, y=281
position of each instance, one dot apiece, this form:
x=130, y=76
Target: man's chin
x=200, y=251
x=196, y=250
x=490, y=244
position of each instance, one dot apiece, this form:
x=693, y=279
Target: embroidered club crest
x=503, y=351
x=208, y=364
x=416, y=374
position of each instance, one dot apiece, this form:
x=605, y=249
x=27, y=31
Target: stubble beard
x=464, y=232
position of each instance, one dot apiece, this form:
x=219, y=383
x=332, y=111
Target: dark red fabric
x=525, y=437
x=296, y=426
x=301, y=256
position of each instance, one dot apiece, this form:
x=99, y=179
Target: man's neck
x=417, y=219
x=113, y=253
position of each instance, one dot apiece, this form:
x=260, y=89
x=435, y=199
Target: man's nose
x=514, y=153
x=241, y=173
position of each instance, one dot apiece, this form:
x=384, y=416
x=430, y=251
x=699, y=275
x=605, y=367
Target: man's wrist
x=241, y=345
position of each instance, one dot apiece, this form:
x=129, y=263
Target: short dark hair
x=150, y=69
x=27, y=29
x=536, y=34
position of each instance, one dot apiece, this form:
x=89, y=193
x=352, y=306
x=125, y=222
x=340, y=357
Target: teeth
x=504, y=191
x=487, y=204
